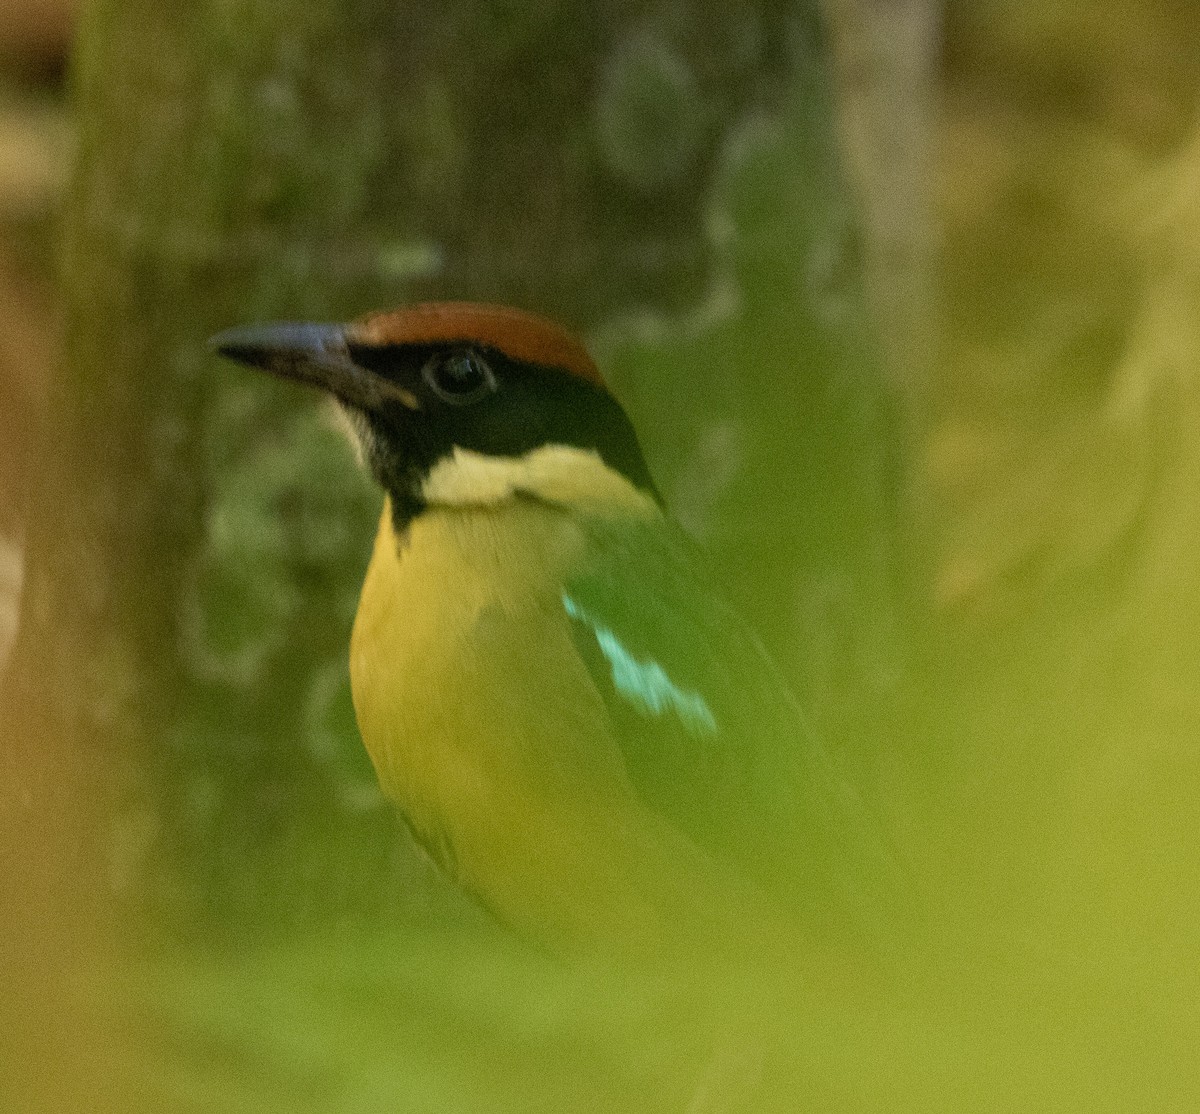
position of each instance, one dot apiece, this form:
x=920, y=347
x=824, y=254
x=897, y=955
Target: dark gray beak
x=317, y=355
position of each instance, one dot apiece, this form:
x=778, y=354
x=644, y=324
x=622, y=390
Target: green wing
x=713, y=737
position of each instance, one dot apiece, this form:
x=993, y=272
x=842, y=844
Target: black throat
x=532, y=407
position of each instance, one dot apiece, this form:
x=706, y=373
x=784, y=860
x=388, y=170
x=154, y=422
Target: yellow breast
x=425, y=690
x=484, y=726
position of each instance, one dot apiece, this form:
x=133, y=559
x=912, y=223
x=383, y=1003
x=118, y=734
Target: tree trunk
x=197, y=535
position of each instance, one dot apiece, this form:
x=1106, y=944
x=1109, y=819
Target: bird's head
x=456, y=403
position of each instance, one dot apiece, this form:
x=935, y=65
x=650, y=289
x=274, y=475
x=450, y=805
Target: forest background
x=903, y=299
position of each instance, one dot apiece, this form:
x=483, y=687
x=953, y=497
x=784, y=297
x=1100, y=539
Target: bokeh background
x=902, y=298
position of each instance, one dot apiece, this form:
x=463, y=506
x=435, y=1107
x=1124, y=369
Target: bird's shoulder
x=710, y=730
x=652, y=618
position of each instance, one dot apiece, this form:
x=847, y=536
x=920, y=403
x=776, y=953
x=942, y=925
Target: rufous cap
x=516, y=333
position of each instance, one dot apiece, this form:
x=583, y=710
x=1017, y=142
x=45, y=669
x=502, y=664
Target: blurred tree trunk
x=886, y=60
x=177, y=702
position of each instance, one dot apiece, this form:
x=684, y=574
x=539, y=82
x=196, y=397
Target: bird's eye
x=459, y=377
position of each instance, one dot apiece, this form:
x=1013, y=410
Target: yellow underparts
x=484, y=726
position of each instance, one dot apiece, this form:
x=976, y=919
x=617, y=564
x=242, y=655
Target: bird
x=574, y=722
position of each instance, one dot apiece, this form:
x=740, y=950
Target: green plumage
x=758, y=788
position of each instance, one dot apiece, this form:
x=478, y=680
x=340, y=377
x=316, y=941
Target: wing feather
x=712, y=735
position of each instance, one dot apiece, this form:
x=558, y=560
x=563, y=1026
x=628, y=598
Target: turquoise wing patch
x=645, y=684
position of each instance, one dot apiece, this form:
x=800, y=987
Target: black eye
x=459, y=377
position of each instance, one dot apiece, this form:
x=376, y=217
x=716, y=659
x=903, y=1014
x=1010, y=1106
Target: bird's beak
x=318, y=355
